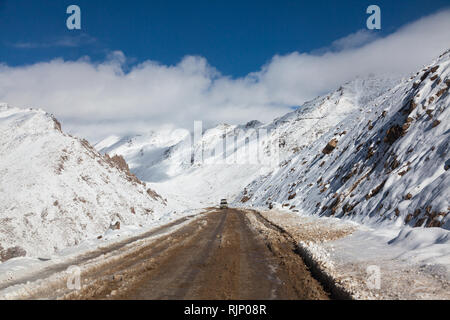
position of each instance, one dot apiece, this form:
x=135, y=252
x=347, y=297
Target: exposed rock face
x=10, y=253
x=119, y=162
x=115, y=226
x=330, y=146
x=393, y=133
x=253, y=124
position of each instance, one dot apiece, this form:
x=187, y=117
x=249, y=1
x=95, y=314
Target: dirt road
x=225, y=254
x=220, y=254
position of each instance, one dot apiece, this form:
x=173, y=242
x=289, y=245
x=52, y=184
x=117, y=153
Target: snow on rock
x=385, y=163
x=57, y=191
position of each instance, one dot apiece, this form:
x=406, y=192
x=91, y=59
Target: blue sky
x=236, y=37
x=140, y=65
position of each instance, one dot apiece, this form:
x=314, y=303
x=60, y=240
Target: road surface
x=223, y=254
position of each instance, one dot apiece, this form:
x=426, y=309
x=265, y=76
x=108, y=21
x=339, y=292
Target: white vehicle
x=223, y=204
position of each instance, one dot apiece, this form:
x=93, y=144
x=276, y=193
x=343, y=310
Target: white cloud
x=354, y=40
x=96, y=99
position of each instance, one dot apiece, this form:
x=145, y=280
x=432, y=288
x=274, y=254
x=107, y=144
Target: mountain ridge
x=57, y=190
x=388, y=163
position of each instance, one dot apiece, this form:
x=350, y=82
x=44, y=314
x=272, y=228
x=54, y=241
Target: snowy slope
x=190, y=174
x=300, y=128
x=385, y=163
x=165, y=159
x=145, y=154
x=56, y=190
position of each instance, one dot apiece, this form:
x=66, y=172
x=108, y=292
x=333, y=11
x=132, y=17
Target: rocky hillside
x=385, y=162
x=56, y=190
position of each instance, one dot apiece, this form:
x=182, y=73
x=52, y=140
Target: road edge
x=319, y=273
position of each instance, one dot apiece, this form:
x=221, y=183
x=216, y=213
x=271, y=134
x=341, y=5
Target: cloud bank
x=98, y=99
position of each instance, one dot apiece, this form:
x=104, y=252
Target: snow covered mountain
x=386, y=162
x=166, y=159
x=375, y=149
x=298, y=129
x=191, y=171
x=56, y=190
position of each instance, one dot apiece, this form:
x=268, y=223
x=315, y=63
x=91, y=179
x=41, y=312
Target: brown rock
x=57, y=124
x=435, y=123
x=10, y=253
x=375, y=191
x=115, y=226
x=433, y=223
x=408, y=218
x=393, y=133
x=441, y=92
x=330, y=146
x=405, y=127
x=425, y=75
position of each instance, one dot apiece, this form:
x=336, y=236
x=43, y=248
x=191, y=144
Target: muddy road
x=222, y=254
x=225, y=254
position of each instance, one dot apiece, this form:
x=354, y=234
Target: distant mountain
x=164, y=159
x=56, y=190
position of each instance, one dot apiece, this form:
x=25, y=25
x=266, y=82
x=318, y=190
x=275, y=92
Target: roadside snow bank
x=367, y=263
